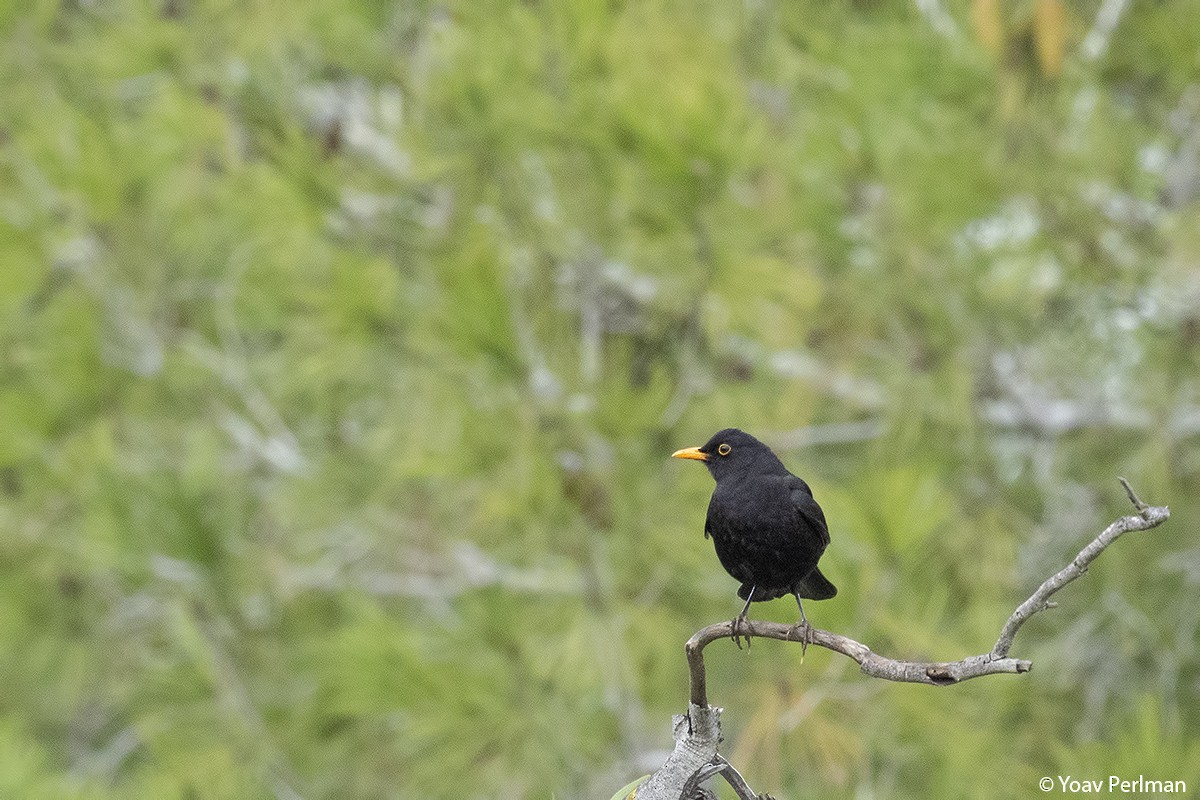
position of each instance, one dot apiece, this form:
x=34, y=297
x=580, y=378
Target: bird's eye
x=723, y=449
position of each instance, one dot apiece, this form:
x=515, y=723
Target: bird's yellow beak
x=690, y=452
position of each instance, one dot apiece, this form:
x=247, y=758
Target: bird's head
x=734, y=452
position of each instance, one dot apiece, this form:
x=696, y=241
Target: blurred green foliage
x=342, y=346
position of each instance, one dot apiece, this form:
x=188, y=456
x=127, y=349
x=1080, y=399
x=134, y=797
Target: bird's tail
x=816, y=586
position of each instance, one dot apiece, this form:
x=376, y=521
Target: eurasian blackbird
x=768, y=530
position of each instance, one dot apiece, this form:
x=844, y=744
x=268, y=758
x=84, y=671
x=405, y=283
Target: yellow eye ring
x=723, y=449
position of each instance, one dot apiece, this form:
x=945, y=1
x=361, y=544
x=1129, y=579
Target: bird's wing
x=807, y=507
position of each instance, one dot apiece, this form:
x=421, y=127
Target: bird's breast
x=748, y=507
x=759, y=535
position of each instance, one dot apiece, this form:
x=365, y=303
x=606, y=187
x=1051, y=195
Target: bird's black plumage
x=768, y=530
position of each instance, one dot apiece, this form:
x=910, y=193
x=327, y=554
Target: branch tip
x=1133, y=498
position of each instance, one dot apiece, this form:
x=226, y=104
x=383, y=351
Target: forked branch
x=696, y=744
x=940, y=673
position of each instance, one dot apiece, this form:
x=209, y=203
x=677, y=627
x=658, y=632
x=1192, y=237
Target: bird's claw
x=802, y=632
x=735, y=627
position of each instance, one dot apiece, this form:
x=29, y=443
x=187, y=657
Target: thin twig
x=1133, y=498
x=1150, y=516
x=735, y=779
x=692, y=786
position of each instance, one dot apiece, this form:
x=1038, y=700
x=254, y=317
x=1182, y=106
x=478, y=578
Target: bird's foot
x=736, y=626
x=801, y=632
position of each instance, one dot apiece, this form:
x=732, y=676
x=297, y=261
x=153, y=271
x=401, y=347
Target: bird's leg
x=806, y=629
x=735, y=626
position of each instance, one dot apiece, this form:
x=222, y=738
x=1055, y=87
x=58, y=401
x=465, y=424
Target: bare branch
x=931, y=673
x=937, y=673
x=698, y=733
x=1148, y=517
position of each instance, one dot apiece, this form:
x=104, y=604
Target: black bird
x=768, y=530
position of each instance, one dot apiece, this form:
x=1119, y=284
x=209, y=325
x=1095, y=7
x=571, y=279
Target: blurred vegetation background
x=343, y=345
